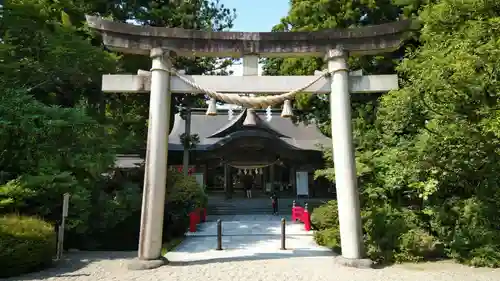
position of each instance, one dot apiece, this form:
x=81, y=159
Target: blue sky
x=257, y=15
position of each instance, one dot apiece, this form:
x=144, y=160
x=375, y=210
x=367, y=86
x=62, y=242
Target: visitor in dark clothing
x=247, y=184
x=274, y=202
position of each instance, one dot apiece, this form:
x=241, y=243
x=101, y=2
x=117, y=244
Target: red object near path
x=195, y=217
x=301, y=214
x=306, y=219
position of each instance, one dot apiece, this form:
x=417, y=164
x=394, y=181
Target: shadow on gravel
x=297, y=253
x=72, y=262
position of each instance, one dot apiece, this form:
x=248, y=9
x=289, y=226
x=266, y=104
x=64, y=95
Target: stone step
x=246, y=210
x=243, y=211
x=254, y=206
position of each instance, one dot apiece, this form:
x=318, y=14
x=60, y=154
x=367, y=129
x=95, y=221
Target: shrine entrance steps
x=246, y=237
x=219, y=206
x=243, y=206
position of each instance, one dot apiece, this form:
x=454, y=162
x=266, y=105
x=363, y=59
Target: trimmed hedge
x=27, y=244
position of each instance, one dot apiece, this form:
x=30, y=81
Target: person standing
x=249, y=190
x=247, y=184
x=274, y=202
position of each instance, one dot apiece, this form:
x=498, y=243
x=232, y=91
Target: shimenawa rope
x=250, y=102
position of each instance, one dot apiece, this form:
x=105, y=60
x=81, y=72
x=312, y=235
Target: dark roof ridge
x=239, y=122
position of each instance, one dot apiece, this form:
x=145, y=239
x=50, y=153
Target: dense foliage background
x=59, y=133
x=427, y=154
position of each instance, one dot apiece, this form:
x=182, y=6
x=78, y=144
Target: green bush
x=182, y=189
x=325, y=221
x=118, y=213
x=469, y=229
x=329, y=237
x=390, y=234
x=383, y=226
x=183, y=196
x=26, y=244
x=325, y=216
x=418, y=245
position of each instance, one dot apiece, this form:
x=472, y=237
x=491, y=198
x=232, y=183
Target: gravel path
x=251, y=252
x=108, y=266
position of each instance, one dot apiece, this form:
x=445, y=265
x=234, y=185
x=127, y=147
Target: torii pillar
x=155, y=175
x=351, y=235
x=337, y=44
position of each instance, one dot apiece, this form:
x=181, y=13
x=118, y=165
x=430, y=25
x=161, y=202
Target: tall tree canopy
x=46, y=47
x=310, y=15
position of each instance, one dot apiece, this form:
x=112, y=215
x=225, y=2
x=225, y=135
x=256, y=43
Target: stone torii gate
x=163, y=44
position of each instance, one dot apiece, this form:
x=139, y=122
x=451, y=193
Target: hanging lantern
x=287, y=109
x=269, y=114
x=212, y=107
x=245, y=171
x=230, y=112
x=251, y=119
x=256, y=171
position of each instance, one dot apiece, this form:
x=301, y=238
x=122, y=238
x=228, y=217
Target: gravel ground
x=107, y=266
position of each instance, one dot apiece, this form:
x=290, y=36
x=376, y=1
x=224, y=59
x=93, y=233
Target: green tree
x=444, y=124
x=64, y=61
x=46, y=152
x=43, y=52
x=311, y=15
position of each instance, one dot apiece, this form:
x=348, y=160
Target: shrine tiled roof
x=214, y=129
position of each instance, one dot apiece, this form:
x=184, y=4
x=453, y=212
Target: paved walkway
x=256, y=257
x=247, y=238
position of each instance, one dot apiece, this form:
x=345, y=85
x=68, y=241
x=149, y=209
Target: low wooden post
x=60, y=231
x=283, y=227
x=219, y=235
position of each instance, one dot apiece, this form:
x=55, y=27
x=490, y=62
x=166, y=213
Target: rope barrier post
x=219, y=235
x=283, y=227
